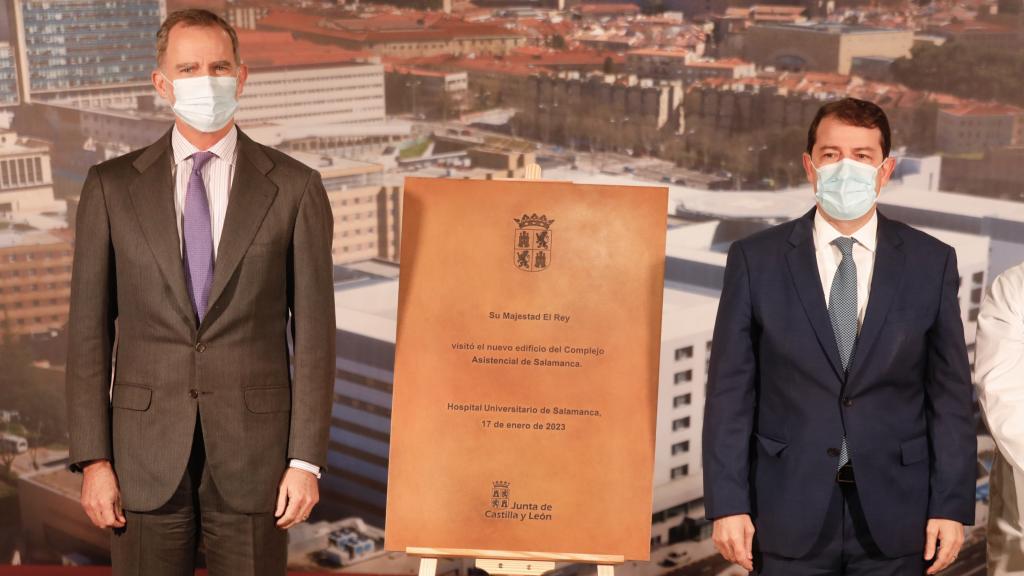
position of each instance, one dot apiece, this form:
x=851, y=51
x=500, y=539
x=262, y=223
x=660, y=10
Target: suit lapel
x=803, y=268
x=250, y=198
x=885, y=284
x=152, y=198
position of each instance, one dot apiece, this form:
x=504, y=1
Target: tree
x=965, y=71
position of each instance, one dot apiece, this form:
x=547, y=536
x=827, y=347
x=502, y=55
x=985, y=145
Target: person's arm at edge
x=949, y=413
x=311, y=302
x=91, y=334
x=729, y=415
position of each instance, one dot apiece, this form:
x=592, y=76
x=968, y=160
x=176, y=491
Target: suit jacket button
x=200, y=347
x=833, y=452
x=193, y=393
x=847, y=402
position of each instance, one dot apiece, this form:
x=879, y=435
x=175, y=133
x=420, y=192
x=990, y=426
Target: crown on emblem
x=501, y=484
x=534, y=220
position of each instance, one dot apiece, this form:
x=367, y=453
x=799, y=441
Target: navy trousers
x=845, y=547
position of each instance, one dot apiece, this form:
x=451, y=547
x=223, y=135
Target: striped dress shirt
x=218, y=174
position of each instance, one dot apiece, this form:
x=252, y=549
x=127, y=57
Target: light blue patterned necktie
x=198, y=237
x=842, y=308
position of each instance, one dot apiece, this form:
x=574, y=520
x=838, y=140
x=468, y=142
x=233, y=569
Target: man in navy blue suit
x=839, y=430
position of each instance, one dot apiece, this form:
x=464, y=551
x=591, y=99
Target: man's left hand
x=949, y=535
x=296, y=496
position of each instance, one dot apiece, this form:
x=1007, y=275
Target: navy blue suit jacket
x=778, y=399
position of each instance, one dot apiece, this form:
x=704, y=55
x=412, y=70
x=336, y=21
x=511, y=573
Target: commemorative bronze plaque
x=526, y=368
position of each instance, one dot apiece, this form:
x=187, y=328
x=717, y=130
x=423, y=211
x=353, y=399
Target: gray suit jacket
x=273, y=264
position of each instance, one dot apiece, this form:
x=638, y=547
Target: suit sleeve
x=949, y=408
x=311, y=302
x=999, y=367
x=91, y=329
x=729, y=410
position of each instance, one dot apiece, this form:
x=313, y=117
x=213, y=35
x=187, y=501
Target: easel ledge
x=512, y=562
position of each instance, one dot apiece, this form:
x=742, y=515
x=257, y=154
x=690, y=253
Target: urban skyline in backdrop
x=711, y=98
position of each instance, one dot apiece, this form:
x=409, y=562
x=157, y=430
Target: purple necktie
x=198, y=236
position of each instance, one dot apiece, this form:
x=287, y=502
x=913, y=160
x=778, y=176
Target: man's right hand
x=734, y=539
x=101, y=497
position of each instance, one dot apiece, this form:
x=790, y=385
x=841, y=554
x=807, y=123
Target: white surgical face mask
x=846, y=189
x=206, y=103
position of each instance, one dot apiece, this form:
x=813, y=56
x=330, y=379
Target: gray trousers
x=165, y=542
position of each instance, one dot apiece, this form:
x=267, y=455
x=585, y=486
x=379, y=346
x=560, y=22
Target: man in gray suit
x=192, y=256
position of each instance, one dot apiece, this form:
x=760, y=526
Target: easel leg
x=605, y=570
x=428, y=566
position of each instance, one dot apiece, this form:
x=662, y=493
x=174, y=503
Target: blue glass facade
x=8, y=76
x=76, y=44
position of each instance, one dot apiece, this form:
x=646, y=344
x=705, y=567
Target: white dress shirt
x=999, y=369
x=829, y=257
x=218, y=174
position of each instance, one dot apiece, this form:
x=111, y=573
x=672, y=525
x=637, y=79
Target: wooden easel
x=506, y=561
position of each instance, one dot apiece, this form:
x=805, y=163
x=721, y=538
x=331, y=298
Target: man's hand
x=101, y=496
x=296, y=496
x=949, y=535
x=734, y=539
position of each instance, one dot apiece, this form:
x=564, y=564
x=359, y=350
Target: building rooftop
x=378, y=28
x=610, y=9
x=368, y=307
x=660, y=52
x=59, y=480
x=687, y=310
x=721, y=63
x=263, y=50
x=831, y=28
x=12, y=144
x=12, y=238
x=335, y=166
x=963, y=205
x=979, y=109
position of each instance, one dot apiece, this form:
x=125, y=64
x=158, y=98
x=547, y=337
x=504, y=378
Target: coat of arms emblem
x=532, y=244
x=500, y=494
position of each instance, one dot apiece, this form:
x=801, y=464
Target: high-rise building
x=367, y=212
x=8, y=76
x=26, y=180
x=35, y=282
x=88, y=51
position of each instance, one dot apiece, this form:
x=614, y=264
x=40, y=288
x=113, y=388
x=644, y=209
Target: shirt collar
x=825, y=233
x=224, y=149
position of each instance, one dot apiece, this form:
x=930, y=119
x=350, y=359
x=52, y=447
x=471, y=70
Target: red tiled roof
x=415, y=71
x=676, y=53
x=266, y=49
x=984, y=109
x=723, y=63
x=492, y=65
x=383, y=28
x=781, y=9
x=611, y=9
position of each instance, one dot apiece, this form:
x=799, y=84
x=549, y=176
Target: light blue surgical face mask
x=206, y=103
x=846, y=189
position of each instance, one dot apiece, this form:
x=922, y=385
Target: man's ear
x=243, y=75
x=812, y=175
x=163, y=86
x=885, y=171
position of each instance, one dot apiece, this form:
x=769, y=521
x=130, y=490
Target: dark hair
x=855, y=113
x=193, y=17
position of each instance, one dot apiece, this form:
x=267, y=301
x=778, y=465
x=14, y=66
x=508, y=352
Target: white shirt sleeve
x=303, y=465
x=999, y=364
